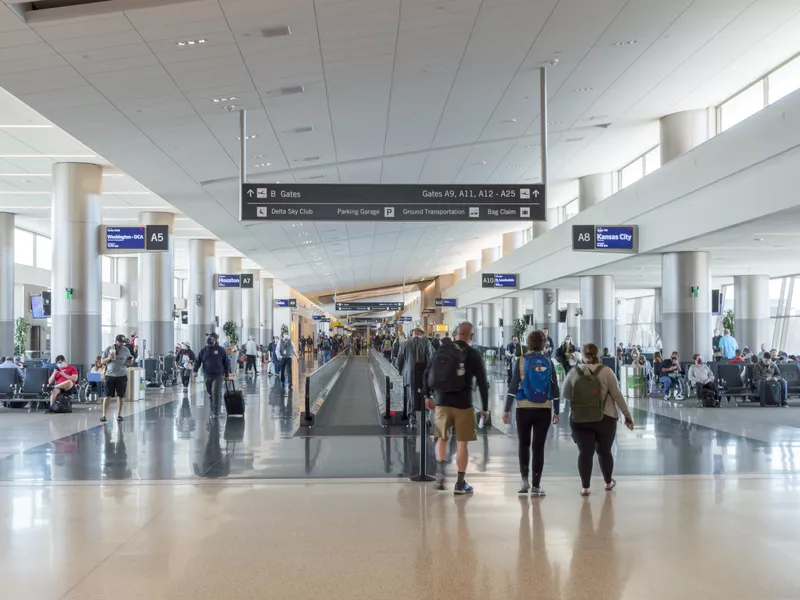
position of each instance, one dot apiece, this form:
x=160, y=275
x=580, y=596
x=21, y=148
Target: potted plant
x=229, y=329
x=21, y=329
x=727, y=320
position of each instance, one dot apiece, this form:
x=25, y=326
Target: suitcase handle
x=230, y=385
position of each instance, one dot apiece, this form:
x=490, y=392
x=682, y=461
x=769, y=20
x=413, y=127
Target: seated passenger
x=64, y=378
x=738, y=358
x=605, y=353
x=783, y=358
x=10, y=364
x=767, y=370
x=702, y=378
x=671, y=375
x=746, y=353
x=99, y=367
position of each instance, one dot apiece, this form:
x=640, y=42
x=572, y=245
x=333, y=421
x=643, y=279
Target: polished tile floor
x=169, y=505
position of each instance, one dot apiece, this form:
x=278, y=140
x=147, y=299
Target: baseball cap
x=120, y=338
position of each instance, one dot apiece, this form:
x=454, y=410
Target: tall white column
x=127, y=320
x=156, y=291
x=682, y=131
x=545, y=311
x=458, y=275
x=472, y=266
x=751, y=307
x=598, y=321
x=76, y=217
x=490, y=329
x=230, y=301
x=474, y=317
x=251, y=309
x=686, y=317
x=573, y=321
x=6, y=284
x=657, y=303
x=509, y=315
x=511, y=241
x=202, y=298
x=266, y=305
x=593, y=189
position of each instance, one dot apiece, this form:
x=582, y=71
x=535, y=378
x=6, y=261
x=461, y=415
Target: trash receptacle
x=135, y=390
x=633, y=381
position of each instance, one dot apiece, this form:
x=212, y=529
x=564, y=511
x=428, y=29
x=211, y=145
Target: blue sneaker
x=463, y=489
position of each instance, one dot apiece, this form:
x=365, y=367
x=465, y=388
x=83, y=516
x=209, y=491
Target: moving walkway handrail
x=324, y=373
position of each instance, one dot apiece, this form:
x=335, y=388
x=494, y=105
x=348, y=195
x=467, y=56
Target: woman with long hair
x=596, y=436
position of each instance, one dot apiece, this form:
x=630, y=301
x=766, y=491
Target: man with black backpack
x=286, y=351
x=412, y=359
x=450, y=375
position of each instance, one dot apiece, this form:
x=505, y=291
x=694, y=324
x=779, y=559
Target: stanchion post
x=422, y=476
x=306, y=417
x=388, y=413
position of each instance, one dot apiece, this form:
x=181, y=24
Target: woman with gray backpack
x=595, y=404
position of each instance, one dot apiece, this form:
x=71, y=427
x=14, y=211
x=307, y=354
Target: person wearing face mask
x=701, y=377
x=767, y=370
x=671, y=375
x=64, y=378
x=513, y=353
x=564, y=354
x=186, y=360
x=115, y=358
x=549, y=345
x=286, y=351
x=251, y=351
x=216, y=368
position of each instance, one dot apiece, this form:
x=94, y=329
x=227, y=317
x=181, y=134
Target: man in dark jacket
x=216, y=368
x=412, y=360
x=767, y=370
x=454, y=410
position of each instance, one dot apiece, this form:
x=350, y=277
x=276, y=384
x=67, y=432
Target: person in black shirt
x=454, y=410
x=513, y=353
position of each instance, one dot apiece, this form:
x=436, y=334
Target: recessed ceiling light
x=625, y=43
x=307, y=129
x=575, y=139
x=248, y=137
x=758, y=239
x=191, y=42
x=225, y=99
x=552, y=123
x=26, y=126
x=259, y=165
x=585, y=89
x=276, y=31
x=286, y=91
x=257, y=156
x=510, y=121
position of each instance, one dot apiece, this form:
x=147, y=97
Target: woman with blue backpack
x=534, y=386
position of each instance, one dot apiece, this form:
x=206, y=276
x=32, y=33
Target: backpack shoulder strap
x=521, y=362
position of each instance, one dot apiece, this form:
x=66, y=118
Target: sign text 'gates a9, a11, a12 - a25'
x=392, y=202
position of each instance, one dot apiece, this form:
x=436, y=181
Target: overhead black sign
x=496, y=280
x=367, y=306
x=158, y=237
x=428, y=311
x=605, y=238
x=446, y=302
x=366, y=319
x=246, y=281
x=286, y=303
x=394, y=202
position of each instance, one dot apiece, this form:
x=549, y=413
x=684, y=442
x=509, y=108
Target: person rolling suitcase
x=234, y=400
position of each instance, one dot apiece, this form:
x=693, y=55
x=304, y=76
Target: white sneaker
x=678, y=396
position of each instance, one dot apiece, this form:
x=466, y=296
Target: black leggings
x=536, y=421
x=595, y=437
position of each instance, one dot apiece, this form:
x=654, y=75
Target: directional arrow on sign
x=535, y=193
x=250, y=193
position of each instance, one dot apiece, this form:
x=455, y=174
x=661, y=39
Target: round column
x=76, y=208
x=573, y=321
x=620, y=317
x=6, y=284
x=251, y=310
x=686, y=318
x=682, y=131
x=266, y=304
x=593, y=189
x=751, y=307
x=657, y=309
x=509, y=314
x=458, y=275
x=474, y=317
x=545, y=311
x=230, y=301
x=511, y=241
x=472, y=266
x=156, y=291
x=128, y=305
x=202, y=299
x=598, y=320
x=490, y=330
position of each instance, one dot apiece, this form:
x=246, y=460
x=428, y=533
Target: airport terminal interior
x=283, y=284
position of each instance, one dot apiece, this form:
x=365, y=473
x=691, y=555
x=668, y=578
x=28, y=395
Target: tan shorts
x=463, y=419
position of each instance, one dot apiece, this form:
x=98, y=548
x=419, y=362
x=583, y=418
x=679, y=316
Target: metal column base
x=306, y=422
x=423, y=450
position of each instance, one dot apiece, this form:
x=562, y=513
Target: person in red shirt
x=64, y=377
x=738, y=358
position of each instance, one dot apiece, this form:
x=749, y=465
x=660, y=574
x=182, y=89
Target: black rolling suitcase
x=770, y=393
x=234, y=400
